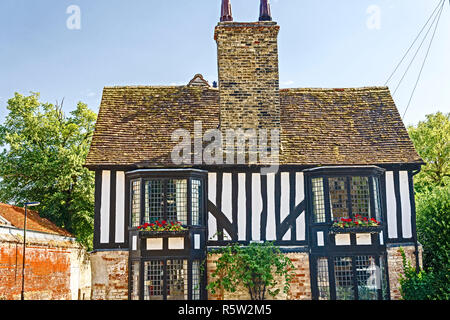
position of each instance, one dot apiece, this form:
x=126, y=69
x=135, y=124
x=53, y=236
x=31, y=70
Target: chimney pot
x=227, y=14
x=264, y=11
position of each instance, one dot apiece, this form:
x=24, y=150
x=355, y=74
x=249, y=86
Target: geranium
x=358, y=221
x=162, y=226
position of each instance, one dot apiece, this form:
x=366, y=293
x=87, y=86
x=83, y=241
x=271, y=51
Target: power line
x=424, y=61
x=420, y=46
x=404, y=56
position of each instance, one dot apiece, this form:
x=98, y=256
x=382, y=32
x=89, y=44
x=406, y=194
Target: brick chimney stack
x=248, y=73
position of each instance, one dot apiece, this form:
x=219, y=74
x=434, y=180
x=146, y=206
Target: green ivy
x=255, y=267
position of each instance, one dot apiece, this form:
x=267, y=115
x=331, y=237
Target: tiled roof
x=319, y=126
x=16, y=215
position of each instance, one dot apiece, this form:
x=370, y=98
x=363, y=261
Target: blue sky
x=325, y=43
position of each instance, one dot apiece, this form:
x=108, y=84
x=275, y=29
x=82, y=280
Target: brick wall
x=248, y=75
x=48, y=269
x=300, y=285
x=109, y=275
x=395, y=265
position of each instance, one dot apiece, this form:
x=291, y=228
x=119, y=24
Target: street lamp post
x=27, y=204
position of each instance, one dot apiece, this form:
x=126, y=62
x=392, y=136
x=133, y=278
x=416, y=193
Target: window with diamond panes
x=196, y=201
x=343, y=274
x=323, y=282
x=136, y=202
x=360, y=196
x=196, y=280
x=338, y=198
x=177, y=280
x=318, y=200
x=153, y=280
x=177, y=201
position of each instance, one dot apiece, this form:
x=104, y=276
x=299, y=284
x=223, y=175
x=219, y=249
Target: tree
x=431, y=139
x=42, y=160
x=432, y=191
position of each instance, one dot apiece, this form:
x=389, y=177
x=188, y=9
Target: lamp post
x=27, y=204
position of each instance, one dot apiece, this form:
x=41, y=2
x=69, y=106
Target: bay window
x=341, y=195
x=166, y=265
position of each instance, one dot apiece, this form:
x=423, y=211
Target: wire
x=401, y=61
x=425, y=60
x=418, y=49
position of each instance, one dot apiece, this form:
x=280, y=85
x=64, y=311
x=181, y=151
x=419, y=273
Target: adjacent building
x=56, y=266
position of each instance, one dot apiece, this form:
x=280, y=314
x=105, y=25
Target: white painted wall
x=104, y=207
x=406, y=204
x=391, y=205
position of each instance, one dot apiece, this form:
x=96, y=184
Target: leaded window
x=166, y=199
x=196, y=201
x=318, y=200
x=356, y=277
x=134, y=283
x=343, y=274
x=177, y=280
x=153, y=280
x=348, y=196
x=323, y=282
x=154, y=200
x=136, y=202
x=196, y=280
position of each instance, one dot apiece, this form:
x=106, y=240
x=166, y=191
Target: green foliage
x=432, y=186
x=255, y=267
x=431, y=139
x=433, y=229
x=416, y=285
x=42, y=160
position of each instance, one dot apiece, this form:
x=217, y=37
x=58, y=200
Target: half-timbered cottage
x=340, y=153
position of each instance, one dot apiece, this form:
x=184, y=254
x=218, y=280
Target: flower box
x=162, y=234
x=339, y=230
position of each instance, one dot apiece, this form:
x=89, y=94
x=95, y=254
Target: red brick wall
x=47, y=272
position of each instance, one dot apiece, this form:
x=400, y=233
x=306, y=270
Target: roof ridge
x=337, y=89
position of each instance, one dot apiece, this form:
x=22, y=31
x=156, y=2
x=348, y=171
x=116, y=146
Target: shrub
x=416, y=285
x=433, y=229
x=255, y=267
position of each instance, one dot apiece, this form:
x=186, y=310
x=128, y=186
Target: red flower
x=164, y=222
